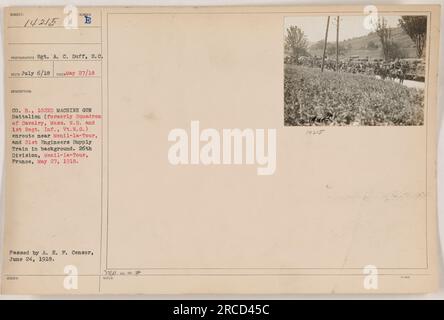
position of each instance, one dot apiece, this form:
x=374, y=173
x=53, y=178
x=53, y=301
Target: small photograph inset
x=354, y=70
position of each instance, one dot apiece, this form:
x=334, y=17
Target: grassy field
x=330, y=98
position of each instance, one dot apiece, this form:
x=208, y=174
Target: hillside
x=359, y=45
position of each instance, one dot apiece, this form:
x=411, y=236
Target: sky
x=349, y=26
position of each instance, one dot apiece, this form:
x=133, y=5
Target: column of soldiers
x=395, y=69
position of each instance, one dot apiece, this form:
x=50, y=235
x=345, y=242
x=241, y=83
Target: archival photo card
x=221, y=150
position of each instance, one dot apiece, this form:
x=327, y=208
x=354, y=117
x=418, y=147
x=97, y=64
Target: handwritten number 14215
x=42, y=22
